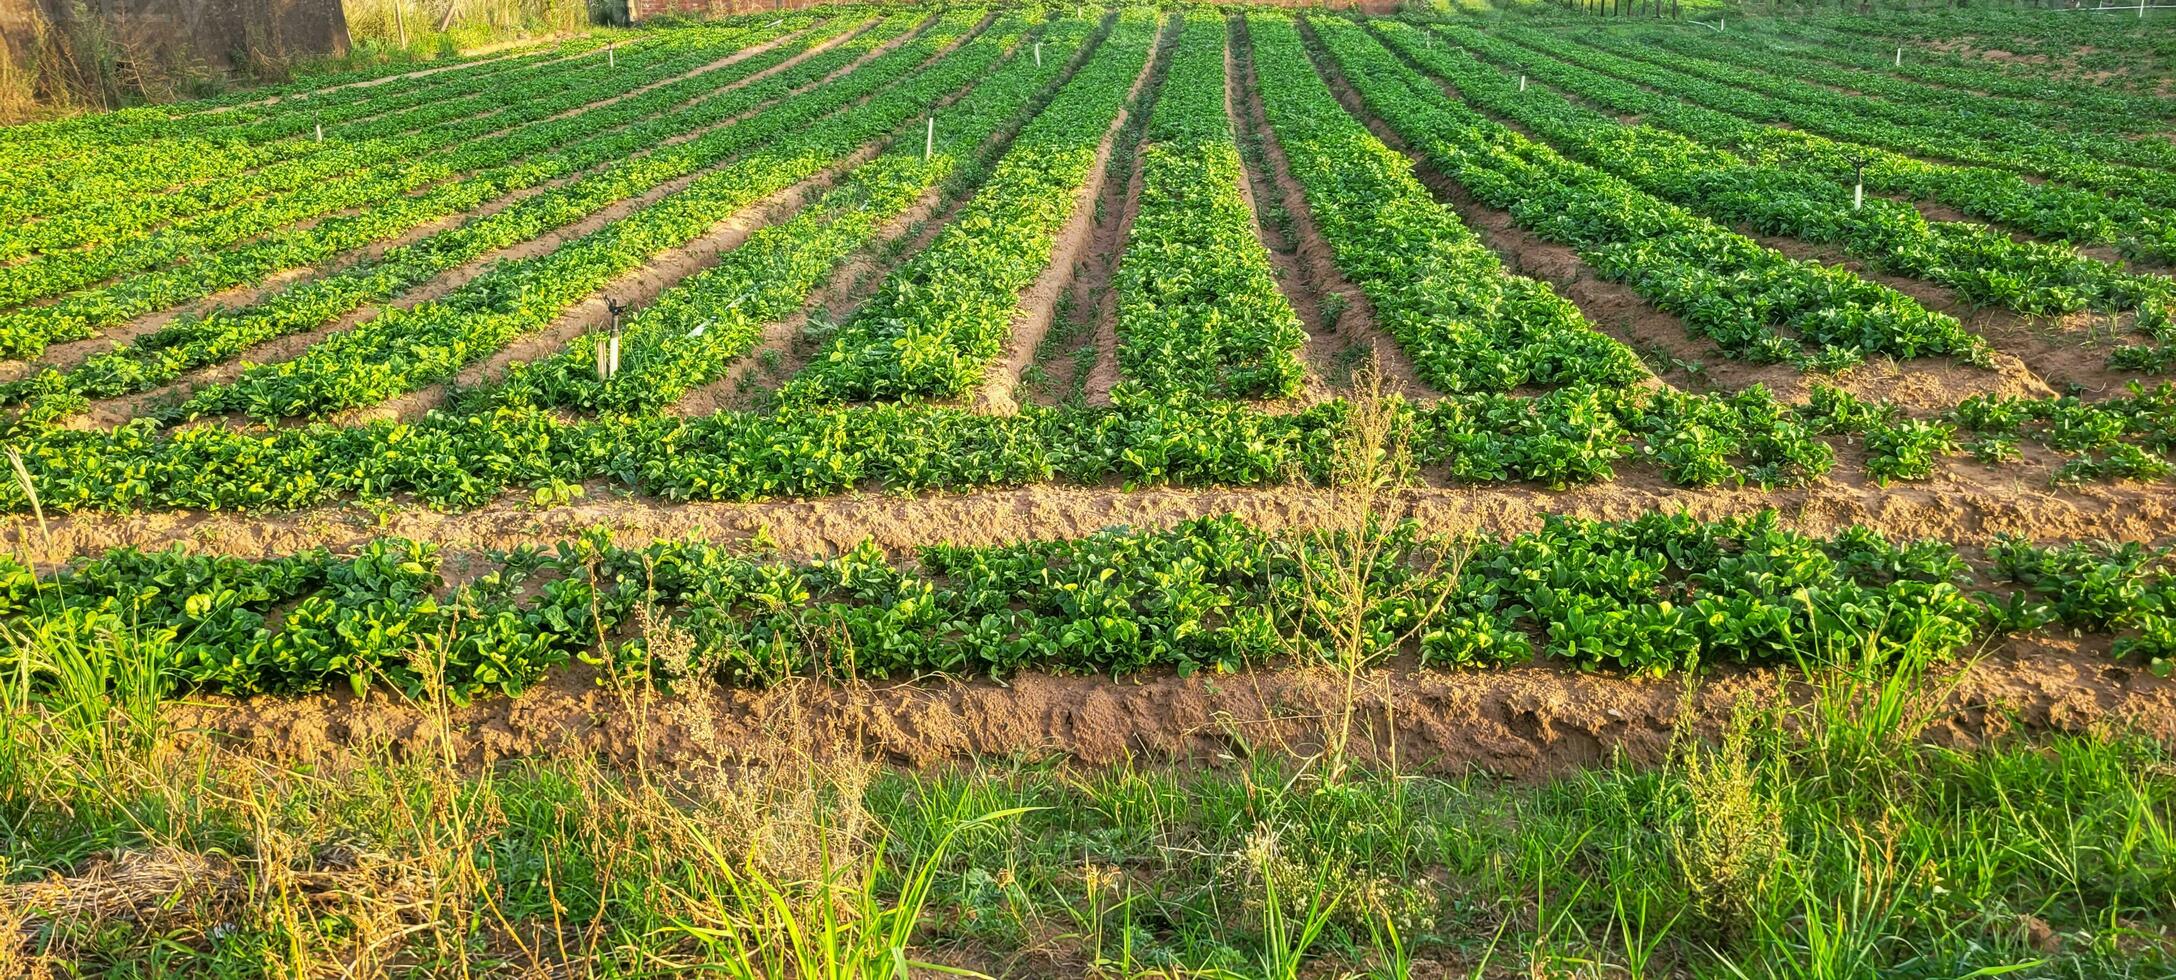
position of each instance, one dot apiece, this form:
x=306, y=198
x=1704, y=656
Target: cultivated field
x=1474, y=490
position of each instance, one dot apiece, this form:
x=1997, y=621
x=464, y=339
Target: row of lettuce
x=264, y=113
x=1657, y=594
x=142, y=221
x=155, y=223
x=1198, y=305
x=1983, y=266
x=404, y=349
x=1573, y=435
x=1753, y=301
x=697, y=331
x=1723, y=108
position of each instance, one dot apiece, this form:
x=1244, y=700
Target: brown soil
x=1285, y=267
x=1039, y=304
x=1524, y=722
x=1313, y=257
x=1093, y=287
x=1969, y=506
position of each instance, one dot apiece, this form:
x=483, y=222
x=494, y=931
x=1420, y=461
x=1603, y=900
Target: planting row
x=405, y=349
x=397, y=160
x=356, y=176
x=694, y=331
x=1657, y=594
x=1950, y=70
x=1985, y=267
x=1198, y=307
x=191, y=342
x=2006, y=123
x=1924, y=130
x=935, y=324
x=1753, y=301
x=25, y=332
x=126, y=173
x=2134, y=228
x=1467, y=323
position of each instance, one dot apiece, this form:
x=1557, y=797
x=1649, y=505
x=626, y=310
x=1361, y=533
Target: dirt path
x=1969, y=509
x=1310, y=254
x=1038, y=305
x=1093, y=288
x=1521, y=722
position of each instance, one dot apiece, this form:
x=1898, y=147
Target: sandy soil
x=1313, y=257
x=1525, y=722
x=1965, y=508
x=1071, y=250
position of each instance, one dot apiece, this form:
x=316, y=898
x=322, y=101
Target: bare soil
x=1522, y=723
x=1315, y=260
x=1292, y=277
x=1969, y=506
x=1071, y=257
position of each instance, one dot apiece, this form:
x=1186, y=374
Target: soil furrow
x=1967, y=508
x=1354, y=320
x=1036, y=307
x=1526, y=722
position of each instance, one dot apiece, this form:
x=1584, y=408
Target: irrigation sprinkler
x=608, y=350
x=1858, y=189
